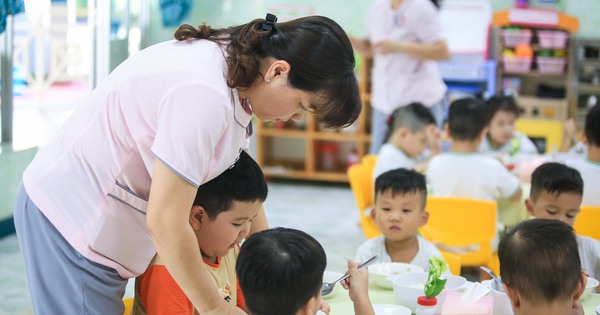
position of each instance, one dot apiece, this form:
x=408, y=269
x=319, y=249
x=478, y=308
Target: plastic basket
x=552, y=39
x=512, y=38
x=516, y=64
x=550, y=65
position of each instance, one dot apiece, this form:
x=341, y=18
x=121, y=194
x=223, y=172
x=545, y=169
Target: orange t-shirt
x=157, y=292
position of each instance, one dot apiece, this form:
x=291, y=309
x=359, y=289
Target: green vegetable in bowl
x=434, y=285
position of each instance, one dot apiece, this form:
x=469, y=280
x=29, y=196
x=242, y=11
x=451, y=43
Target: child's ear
x=580, y=286
x=529, y=206
x=513, y=296
x=197, y=217
x=402, y=132
x=584, y=139
x=424, y=218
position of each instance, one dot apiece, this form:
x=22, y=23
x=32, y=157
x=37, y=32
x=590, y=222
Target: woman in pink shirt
x=405, y=38
x=115, y=185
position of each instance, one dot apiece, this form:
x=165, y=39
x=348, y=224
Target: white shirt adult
x=589, y=253
x=470, y=175
x=590, y=173
x=399, y=78
x=93, y=181
x=390, y=158
x=376, y=246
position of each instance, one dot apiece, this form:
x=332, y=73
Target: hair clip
x=269, y=22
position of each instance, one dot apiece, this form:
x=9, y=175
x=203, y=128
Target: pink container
x=550, y=65
x=512, y=38
x=552, y=39
x=516, y=64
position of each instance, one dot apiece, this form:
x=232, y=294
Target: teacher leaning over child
x=116, y=183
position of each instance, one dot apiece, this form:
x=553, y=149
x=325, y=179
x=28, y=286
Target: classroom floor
x=326, y=211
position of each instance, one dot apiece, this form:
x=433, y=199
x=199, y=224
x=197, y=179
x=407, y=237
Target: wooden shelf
x=589, y=88
x=286, y=133
x=590, y=63
x=535, y=74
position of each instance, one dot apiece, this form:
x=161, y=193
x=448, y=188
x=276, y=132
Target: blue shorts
x=60, y=279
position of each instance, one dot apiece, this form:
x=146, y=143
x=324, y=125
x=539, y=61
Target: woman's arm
x=434, y=51
x=362, y=45
x=171, y=199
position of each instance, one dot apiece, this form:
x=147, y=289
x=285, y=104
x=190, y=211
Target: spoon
x=328, y=286
x=497, y=281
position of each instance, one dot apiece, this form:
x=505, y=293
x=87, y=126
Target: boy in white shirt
x=541, y=271
x=556, y=191
x=590, y=168
x=464, y=172
x=410, y=129
x=400, y=197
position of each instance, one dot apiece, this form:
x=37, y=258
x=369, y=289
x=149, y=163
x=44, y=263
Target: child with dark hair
x=281, y=273
x=400, y=198
x=540, y=268
x=501, y=114
x=410, y=130
x=556, y=191
x=221, y=218
x=463, y=172
x=590, y=167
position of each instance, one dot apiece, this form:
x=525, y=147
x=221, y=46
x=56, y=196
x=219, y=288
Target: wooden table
x=342, y=305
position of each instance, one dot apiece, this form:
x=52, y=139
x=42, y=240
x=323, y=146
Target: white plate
x=390, y=309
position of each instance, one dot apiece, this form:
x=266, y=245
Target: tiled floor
x=327, y=212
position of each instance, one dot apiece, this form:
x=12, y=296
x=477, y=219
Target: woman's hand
x=362, y=45
x=388, y=47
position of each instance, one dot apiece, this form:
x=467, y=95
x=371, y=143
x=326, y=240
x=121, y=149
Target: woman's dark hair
x=279, y=270
x=317, y=49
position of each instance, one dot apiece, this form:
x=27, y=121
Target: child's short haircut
x=279, y=270
x=244, y=182
x=555, y=179
x=500, y=103
x=592, y=126
x=414, y=116
x=466, y=119
x=539, y=259
x=402, y=181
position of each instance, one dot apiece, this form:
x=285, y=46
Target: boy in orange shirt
x=220, y=217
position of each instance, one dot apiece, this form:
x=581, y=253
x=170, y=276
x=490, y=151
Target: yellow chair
x=453, y=261
x=360, y=177
x=460, y=222
x=588, y=222
x=128, y=302
x=549, y=130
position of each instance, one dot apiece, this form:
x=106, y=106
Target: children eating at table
x=410, y=130
x=556, y=193
x=220, y=217
x=541, y=269
x=399, y=211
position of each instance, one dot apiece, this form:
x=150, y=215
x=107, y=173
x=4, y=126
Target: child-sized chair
x=588, y=222
x=128, y=302
x=549, y=130
x=360, y=177
x=460, y=222
x=453, y=261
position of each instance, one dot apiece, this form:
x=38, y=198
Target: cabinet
x=532, y=49
x=585, y=71
x=304, y=150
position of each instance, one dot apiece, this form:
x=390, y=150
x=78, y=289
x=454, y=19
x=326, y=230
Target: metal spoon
x=497, y=281
x=328, y=286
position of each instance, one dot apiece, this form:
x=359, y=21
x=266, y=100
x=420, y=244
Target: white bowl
x=330, y=276
x=590, y=286
x=598, y=310
x=379, y=273
x=408, y=287
x=390, y=309
x=502, y=304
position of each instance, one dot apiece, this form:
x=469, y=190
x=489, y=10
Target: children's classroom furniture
x=128, y=302
x=362, y=186
x=454, y=262
x=585, y=67
x=461, y=222
x=546, y=134
x=588, y=222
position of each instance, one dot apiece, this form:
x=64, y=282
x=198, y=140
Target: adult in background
x=405, y=38
x=115, y=185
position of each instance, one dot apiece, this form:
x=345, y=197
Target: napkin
x=474, y=301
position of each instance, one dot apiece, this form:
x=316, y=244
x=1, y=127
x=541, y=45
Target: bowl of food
x=330, y=276
x=502, y=304
x=390, y=309
x=382, y=274
x=590, y=287
x=408, y=287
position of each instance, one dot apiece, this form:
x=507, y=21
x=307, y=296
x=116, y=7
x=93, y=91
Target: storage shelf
x=589, y=88
x=289, y=133
x=535, y=74
x=590, y=63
